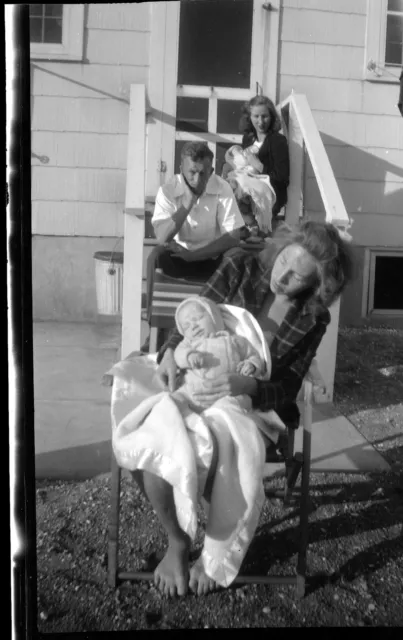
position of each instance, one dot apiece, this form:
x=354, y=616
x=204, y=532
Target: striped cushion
x=167, y=294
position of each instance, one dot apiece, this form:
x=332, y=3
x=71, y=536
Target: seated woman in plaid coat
x=289, y=288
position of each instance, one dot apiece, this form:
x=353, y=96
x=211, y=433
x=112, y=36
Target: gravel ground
x=355, y=558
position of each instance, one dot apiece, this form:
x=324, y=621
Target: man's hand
x=196, y=360
x=166, y=371
x=189, y=198
x=181, y=252
x=175, y=247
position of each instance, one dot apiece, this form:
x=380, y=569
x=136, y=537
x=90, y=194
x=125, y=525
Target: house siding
x=322, y=55
x=80, y=115
x=79, y=121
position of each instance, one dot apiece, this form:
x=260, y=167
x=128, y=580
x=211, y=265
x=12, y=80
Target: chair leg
x=304, y=511
x=113, y=542
x=153, y=339
x=293, y=467
x=291, y=441
x=300, y=587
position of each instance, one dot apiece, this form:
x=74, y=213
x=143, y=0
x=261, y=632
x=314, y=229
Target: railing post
x=327, y=352
x=134, y=222
x=294, y=207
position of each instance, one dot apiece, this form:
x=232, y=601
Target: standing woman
x=260, y=125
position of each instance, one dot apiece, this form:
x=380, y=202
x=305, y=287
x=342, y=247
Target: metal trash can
x=109, y=282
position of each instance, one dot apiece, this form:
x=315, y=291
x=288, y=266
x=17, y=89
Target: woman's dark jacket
x=274, y=156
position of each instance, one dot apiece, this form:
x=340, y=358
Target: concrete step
x=337, y=446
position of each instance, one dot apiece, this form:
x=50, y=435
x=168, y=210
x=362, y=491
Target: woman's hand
x=166, y=371
x=230, y=384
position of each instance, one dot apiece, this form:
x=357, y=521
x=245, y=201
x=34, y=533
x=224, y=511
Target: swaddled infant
x=248, y=181
x=208, y=350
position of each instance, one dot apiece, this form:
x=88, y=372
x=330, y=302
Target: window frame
x=71, y=48
x=368, y=310
x=375, y=68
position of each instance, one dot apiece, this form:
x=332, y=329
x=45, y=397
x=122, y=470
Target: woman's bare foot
x=199, y=581
x=171, y=575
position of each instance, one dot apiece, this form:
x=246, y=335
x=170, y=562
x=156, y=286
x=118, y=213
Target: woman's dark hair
x=246, y=126
x=331, y=252
x=196, y=151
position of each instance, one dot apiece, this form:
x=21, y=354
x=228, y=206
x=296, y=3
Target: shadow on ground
x=338, y=511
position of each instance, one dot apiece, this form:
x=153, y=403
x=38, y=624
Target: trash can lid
x=109, y=256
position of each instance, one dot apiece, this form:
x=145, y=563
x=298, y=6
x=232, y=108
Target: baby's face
x=195, y=321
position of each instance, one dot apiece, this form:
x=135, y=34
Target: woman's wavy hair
x=245, y=124
x=331, y=252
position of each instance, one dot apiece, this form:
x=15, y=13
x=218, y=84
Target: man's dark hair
x=196, y=151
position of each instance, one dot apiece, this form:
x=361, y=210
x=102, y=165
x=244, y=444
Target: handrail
x=297, y=105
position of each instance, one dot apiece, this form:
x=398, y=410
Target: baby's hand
x=195, y=360
x=246, y=368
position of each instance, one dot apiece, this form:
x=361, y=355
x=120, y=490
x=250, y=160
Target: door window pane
x=388, y=290
x=395, y=5
x=220, y=155
x=35, y=29
x=215, y=43
x=53, y=30
x=192, y=114
x=55, y=10
x=229, y=114
x=36, y=9
x=394, y=39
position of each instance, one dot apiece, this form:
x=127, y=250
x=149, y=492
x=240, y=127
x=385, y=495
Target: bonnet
x=210, y=306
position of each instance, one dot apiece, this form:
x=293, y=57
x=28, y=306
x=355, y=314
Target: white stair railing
x=303, y=136
x=134, y=221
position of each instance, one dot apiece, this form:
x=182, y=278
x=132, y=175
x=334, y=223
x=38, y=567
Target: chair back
x=167, y=294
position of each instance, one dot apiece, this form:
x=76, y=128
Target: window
x=385, y=290
x=384, y=51
x=56, y=31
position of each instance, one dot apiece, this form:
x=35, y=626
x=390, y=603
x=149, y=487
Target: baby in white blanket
x=247, y=180
x=208, y=350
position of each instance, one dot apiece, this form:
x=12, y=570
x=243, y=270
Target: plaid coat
x=241, y=281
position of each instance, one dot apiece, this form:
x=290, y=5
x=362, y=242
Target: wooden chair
x=293, y=465
x=167, y=294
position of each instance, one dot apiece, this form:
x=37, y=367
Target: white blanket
x=149, y=432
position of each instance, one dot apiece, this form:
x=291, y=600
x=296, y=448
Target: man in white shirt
x=196, y=220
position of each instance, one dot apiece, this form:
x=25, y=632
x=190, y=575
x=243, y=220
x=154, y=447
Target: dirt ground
x=355, y=557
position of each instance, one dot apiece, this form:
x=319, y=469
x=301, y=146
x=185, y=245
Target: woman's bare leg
x=199, y=582
x=171, y=575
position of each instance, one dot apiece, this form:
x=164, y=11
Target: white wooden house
x=117, y=88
